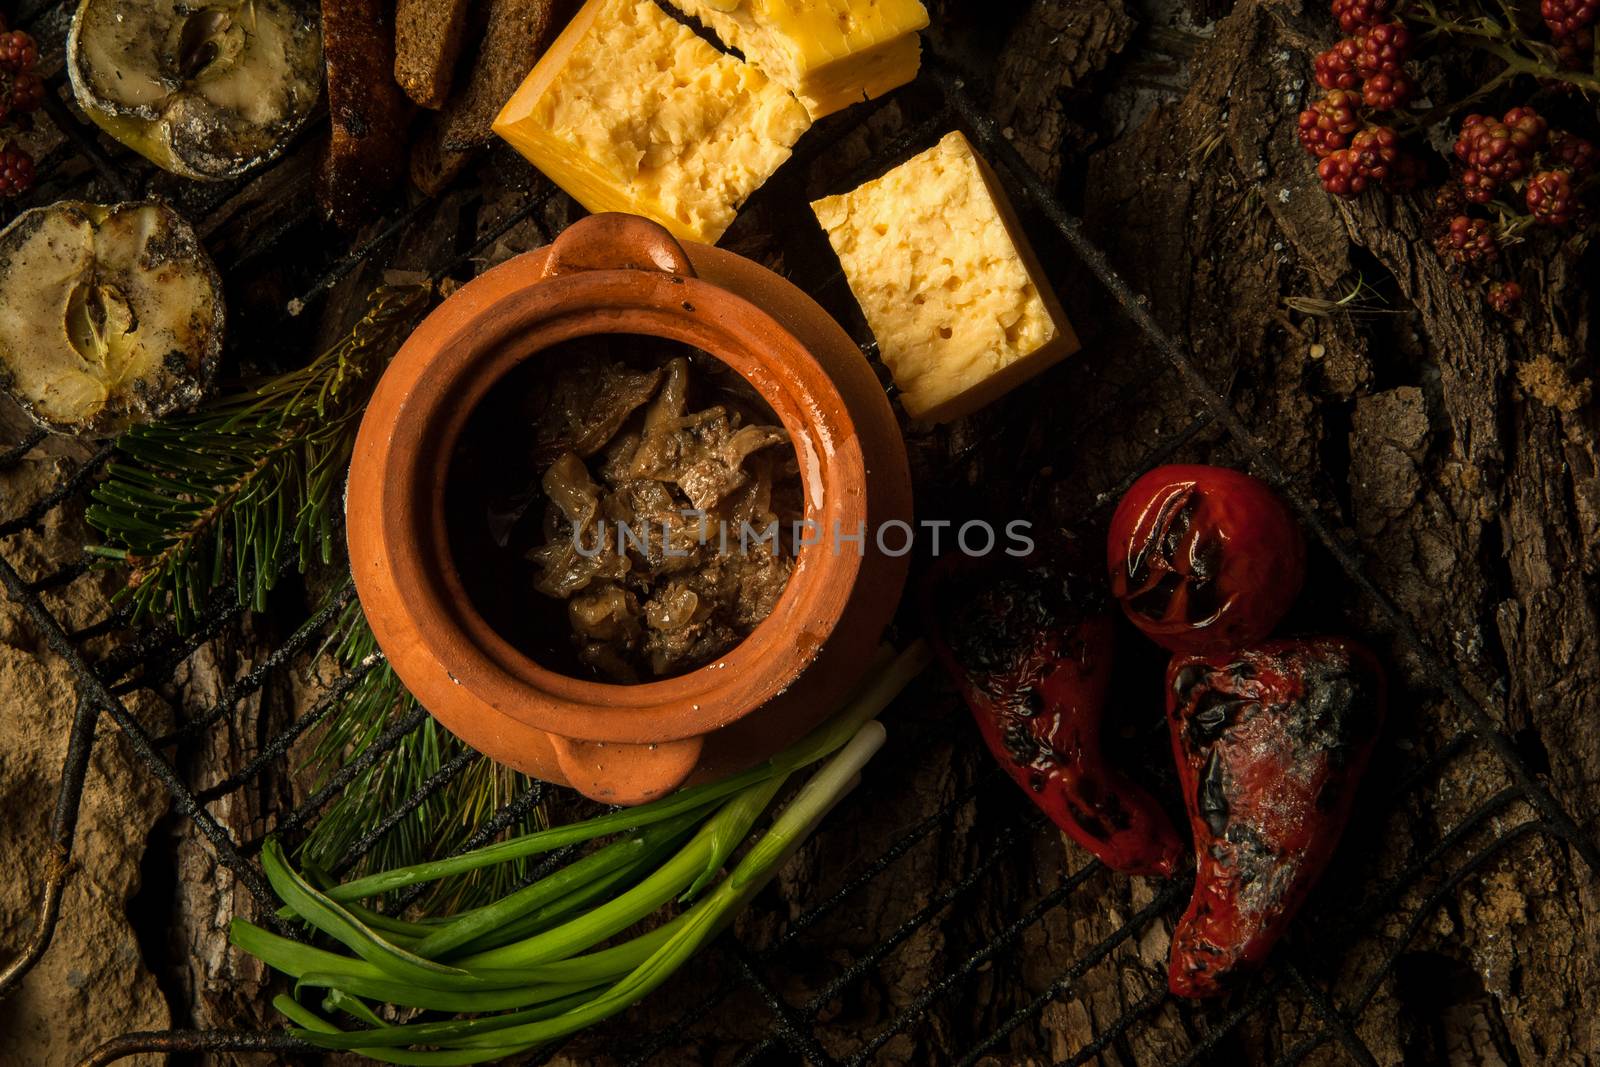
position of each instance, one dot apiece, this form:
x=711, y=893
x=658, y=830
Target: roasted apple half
x=205, y=90
x=109, y=316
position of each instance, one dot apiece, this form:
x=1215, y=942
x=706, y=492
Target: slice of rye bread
x=427, y=41
x=369, y=115
x=517, y=34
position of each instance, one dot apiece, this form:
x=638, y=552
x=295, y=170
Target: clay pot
x=625, y=744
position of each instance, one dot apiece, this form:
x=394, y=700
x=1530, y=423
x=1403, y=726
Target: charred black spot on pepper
x=1087, y=820
x=1019, y=742
x=1089, y=791
x=1028, y=703
x=1211, y=799
x=1188, y=676
x=1251, y=852
x=992, y=622
x=1214, y=712
x=1178, y=527
x=1116, y=813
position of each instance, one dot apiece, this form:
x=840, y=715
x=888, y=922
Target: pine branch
x=443, y=822
x=225, y=491
x=226, y=494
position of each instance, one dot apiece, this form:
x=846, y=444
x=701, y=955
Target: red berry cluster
x=1469, y=242
x=1505, y=297
x=1327, y=125
x=1551, y=198
x=1374, y=155
x=1572, y=152
x=16, y=171
x=1496, y=155
x=1496, y=152
x=21, y=92
x=1366, y=70
x=1354, y=15
x=1570, y=19
x=1533, y=174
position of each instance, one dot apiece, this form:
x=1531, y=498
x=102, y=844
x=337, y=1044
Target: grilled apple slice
x=109, y=316
x=207, y=90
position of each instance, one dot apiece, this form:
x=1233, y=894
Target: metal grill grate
x=792, y=1029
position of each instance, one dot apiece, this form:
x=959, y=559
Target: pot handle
x=615, y=773
x=613, y=240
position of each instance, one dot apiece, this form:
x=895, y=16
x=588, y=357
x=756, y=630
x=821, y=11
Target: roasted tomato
x=1031, y=653
x=1270, y=743
x=1204, y=559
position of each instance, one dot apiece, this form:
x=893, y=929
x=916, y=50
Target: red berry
x=1354, y=14
x=1495, y=151
x=1383, y=48
x=1477, y=187
x=1336, y=68
x=1505, y=297
x=1469, y=130
x=1374, y=155
x=1469, y=242
x=1326, y=126
x=1527, y=129
x=16, y=171
x=1448, y=202
x=1342, y=173
x=1551, y=199
x=1385, y=91
x=18, y=53
x=26, y=93
x=1568, y=18
x=1376, y=150
x=1573, y=53
x=1571, y=151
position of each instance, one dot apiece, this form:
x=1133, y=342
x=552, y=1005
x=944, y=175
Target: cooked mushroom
x=109, y=316
x=206, y=91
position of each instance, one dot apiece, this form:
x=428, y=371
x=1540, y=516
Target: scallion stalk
x=525, y=967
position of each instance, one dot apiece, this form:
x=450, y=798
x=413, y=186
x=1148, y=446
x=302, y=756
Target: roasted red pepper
x=1204, y=559
x=1270, y=745
x=1032, y=658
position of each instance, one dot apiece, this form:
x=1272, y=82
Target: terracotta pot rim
x=468, y=359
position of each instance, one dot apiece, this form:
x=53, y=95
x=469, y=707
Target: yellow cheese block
x=829, y=53
x=629, y=111
x=954, y=294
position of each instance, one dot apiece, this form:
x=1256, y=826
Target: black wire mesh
x=792, y=1028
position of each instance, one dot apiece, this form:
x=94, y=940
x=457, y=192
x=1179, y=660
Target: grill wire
x=791, y=1028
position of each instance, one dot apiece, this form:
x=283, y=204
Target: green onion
x=525, y=969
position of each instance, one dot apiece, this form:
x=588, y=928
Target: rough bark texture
x=92, y=981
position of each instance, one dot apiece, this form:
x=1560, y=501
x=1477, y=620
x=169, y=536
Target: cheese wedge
x=829, y=53
x=629, y=111
x=954, y=294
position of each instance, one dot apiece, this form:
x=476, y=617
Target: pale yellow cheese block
x=829, y=53
x=954, y=294
x=629, y=111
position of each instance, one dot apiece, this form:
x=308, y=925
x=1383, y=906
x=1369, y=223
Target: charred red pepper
x=1270, y=745
x=1204, y=559
x=1032, y=658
